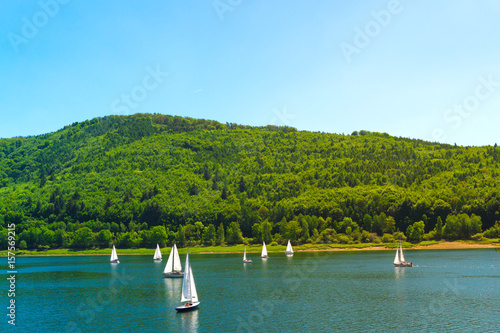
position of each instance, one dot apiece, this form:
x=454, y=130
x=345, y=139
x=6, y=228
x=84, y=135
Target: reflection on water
x=172, y=288
x=189, y=321
x=400, y=272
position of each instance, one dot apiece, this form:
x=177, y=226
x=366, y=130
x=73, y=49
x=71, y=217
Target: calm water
x=453, y=291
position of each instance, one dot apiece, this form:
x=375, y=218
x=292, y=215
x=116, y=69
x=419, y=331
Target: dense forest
x=144, y=179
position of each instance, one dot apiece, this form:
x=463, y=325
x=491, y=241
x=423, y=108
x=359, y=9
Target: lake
x=447, y=290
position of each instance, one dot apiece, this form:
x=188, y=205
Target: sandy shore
x=458, y=245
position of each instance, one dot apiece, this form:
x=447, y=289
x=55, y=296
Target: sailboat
x=245, y=260
x=114, y=257
x=399, y=259
x=173, y=267
x=289, y=250
x=189, y=294
x=263, y=255
x=157, y=256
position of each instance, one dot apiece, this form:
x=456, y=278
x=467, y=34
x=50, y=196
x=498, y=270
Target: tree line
x=117, y=179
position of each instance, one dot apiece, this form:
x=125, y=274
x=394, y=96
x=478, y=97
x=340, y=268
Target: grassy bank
x=488, y=243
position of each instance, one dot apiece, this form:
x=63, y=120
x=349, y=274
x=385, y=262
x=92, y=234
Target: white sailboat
x=245, y=260
x=289, y=249
x=263, y=255
x=189, y=293
x=399, y=259
x=173, y=268
x=157, y=256
x=114, y=257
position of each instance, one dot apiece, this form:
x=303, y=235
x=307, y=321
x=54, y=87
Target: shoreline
x=442, y=245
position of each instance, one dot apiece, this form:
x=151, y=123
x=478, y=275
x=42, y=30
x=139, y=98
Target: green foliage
x=493, y=232
x=234, y=235
x=83, y=238
x=181, y=236
x=209, y=235
x=129, y=174
x=104, y=239
x=158, y=236
x=461, y=226
x=220, y=239
x=415, y=232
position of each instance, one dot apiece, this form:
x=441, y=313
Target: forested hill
x=128, y=174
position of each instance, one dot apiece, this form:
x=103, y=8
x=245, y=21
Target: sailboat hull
x=157, y=260
x=264, y=257
x=173, y=275
x=289, y=254
x=404, y=264
x=114, y=261
x=184, y=308
x=247, y=261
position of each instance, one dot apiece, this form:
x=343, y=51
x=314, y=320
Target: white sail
x=245, y=254
x=289, y=248
x=157, y=255
x=194, y=293
x=189, y=293
x=186, y=282
x=396, y=259
x=264, y=250
x=177, y=261
x=401, y=256
x=114, y=256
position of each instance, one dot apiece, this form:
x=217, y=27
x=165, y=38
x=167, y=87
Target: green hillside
x=135, y=180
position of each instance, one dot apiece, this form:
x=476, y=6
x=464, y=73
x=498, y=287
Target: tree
x=220, y=235
x=208, y=237
x=416, y=231
x=158, y=236
x=181, y=237
x=224, y=193
x=305, y=230
x=367, y=222
x=83, y=238
x=130, y=239
x=390, y=225
x=115, y=228
x=104, y=238
x=242, y=185
x=257, y=233
x=194, y=190
x=439, y=228
x=199, y=230
x=234, y=235
x=461, y=226
x=293, y=231
x=266, y=232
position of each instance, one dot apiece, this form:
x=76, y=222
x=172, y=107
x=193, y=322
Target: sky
x=419, y=69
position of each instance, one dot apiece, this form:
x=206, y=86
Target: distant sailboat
x=114, y=257
x=173, y=267
x=399, y=259
x=263, y=255
x=245, y=260
x=157, y=256
x=289, y=250
x=189, y=294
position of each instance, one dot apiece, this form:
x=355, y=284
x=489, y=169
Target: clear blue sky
x=426, y=69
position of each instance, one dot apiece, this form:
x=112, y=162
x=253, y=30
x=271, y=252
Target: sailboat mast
x=173, y=258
